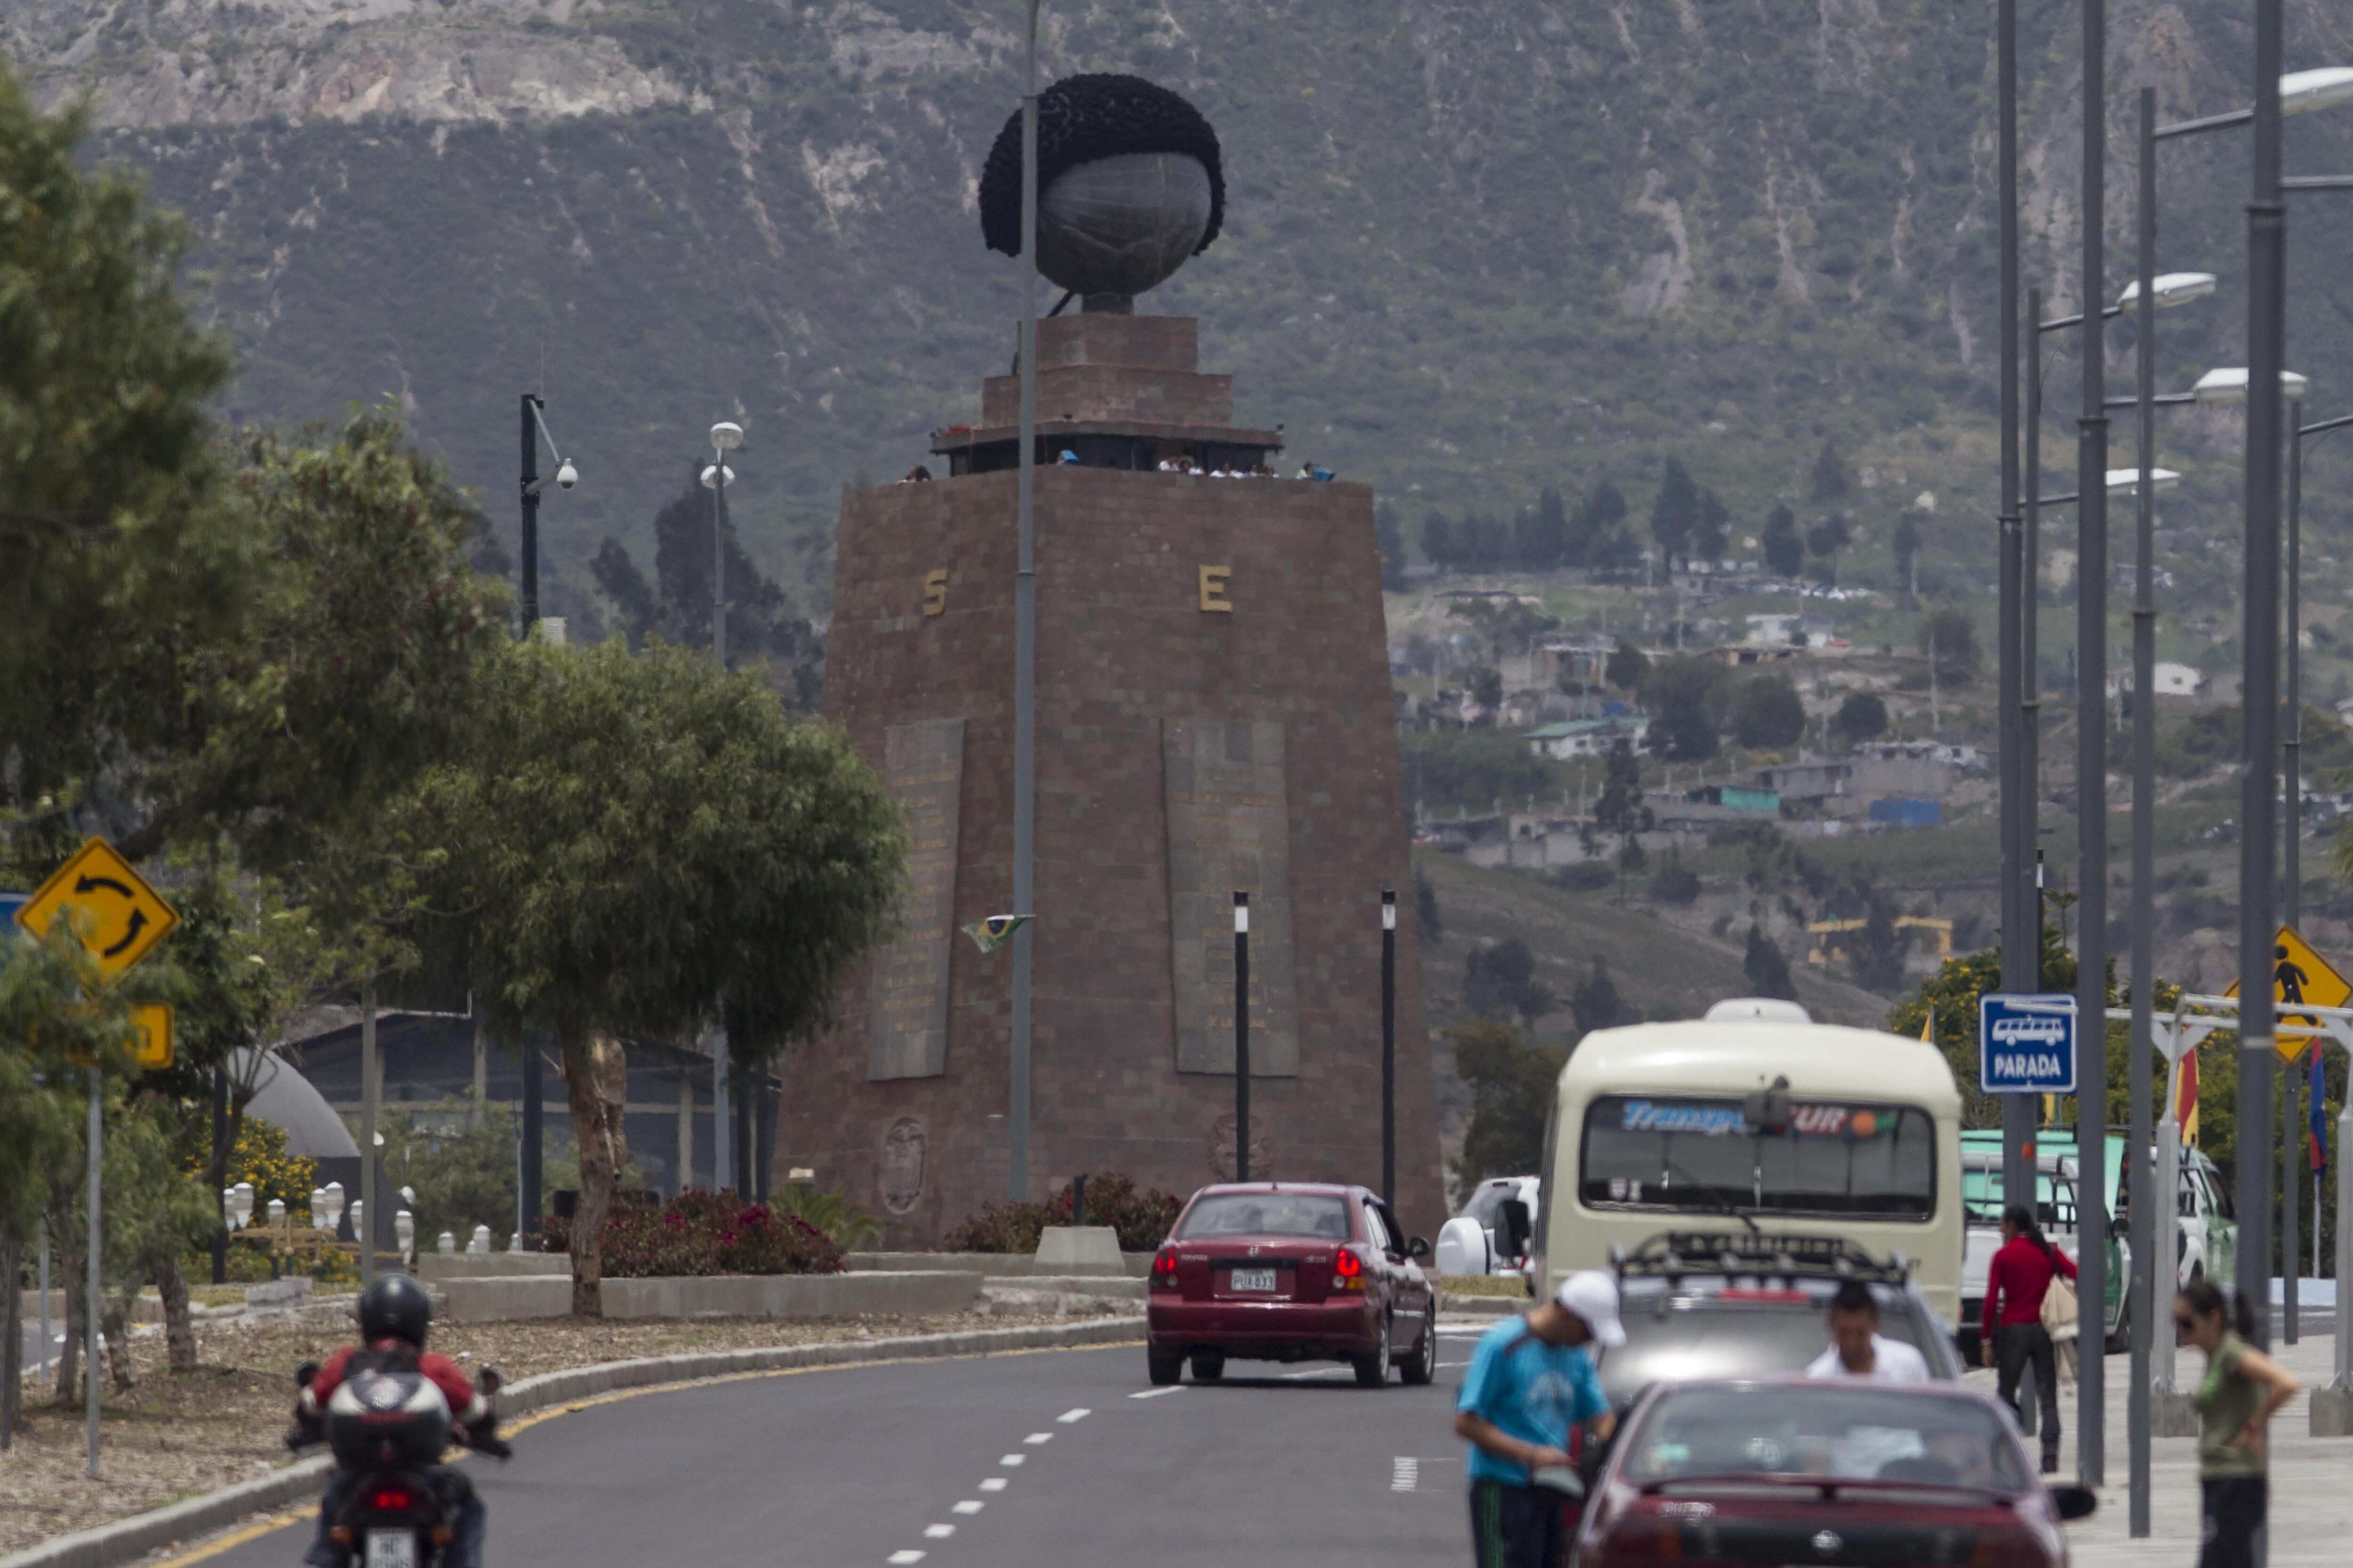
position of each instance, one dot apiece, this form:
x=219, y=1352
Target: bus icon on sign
x=2026, y=1043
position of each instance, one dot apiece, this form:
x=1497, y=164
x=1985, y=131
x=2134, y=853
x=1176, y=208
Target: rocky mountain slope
x=1473, y=246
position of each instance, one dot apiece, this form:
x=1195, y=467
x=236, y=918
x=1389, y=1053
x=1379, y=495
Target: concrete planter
x=896, y=1294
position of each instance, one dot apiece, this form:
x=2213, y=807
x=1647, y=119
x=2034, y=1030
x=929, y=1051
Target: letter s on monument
x=935, y=591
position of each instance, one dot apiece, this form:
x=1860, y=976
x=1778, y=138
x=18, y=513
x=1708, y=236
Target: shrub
x=1141, y=1215
x=705, y=1233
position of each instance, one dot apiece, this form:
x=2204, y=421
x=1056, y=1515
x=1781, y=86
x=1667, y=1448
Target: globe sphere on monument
x=1129, y=186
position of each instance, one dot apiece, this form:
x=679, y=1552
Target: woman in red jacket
x=2012, y=1334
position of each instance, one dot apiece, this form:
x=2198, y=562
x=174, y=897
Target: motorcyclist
x=395, y=1313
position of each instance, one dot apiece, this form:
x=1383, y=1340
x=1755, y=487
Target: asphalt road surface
x=1008, y=1461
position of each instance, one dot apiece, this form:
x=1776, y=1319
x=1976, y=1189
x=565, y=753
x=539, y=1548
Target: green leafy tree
x=1950, y=640
x=1861, y=717
x=1766, y=971
x=1596, y=1003
x=1767, y=713
x=1487, y=689
x=1711, y=527
x=650, y=845
x=1512, y=1081
x=1427, y=924
x=1687, y=696
x=1438, y=545
x=1675, y=514
x=1827, y=482
x=1627, y=667
x=1499, y=980
x=1785, y=549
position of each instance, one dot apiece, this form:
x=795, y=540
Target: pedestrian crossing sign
x=2300, y=975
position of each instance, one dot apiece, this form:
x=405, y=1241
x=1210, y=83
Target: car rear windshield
x=1319, y=1216
x=1835, y=1159
x=1824, y=1429
x=1688, y=1339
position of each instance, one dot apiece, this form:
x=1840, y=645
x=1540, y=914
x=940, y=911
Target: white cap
x=1593, y=1297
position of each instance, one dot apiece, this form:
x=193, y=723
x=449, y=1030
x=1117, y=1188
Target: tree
x=1828, y=537
x=1626, y=668
x=1766, y=712
x=1766, y=971
x=1596, y=1003
x=1511, y=1079
x=1861, y=717
x=1548, y=536
x=1784, y=551
x=650, y=845
x=1390, y=539
x=1426, y=923
x=1686, y=696
x=1906, y=544
x=1594, y=537
x=1619, y=808
x=1950, y=640
x=1487, y=689
x=1827, y=482
x=1711, y=527
x=761, y=624
x=1676, y=513
x=1438, y=541
x=1499, y=980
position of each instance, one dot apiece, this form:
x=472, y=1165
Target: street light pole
x=729, y=1157
x=1388, y=1046
x=2092, y=750
x=2017, y=800
x=2139, y=1303
x=1025, y=641
x=2259, y=698
x=2018, y=1111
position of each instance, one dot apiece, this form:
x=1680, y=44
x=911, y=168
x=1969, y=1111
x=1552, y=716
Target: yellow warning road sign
x=153, y=1023
x=2299, y=974
x=127, y=917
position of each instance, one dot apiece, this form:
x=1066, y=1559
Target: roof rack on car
x=1681, y=1253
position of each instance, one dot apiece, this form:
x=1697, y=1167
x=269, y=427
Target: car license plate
x=391, y=1549
x=1244, y=1279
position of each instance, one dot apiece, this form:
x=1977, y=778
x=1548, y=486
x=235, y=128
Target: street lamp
x=1025, y=646
x=240, y=1202
x=726, y=437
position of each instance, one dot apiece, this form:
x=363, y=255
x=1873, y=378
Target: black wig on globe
x=1129, y=184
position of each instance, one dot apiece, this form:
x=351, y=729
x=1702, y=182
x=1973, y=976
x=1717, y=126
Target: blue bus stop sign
x=2026, y=1043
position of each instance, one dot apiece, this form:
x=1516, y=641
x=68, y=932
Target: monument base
x=2332, y=1412
x=2171, y=1415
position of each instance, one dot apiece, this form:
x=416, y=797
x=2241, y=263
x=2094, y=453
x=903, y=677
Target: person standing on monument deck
x=1530, y=1383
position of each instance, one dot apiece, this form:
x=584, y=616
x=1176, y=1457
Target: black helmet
x=395, y=1307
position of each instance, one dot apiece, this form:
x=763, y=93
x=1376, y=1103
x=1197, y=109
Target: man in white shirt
x=1858, y=1349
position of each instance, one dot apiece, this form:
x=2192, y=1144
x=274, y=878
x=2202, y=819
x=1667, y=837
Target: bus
x=1758, y=1120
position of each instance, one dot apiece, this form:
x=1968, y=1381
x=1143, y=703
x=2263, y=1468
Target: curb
x=127, y=1540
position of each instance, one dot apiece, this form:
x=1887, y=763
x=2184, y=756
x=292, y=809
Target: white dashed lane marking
x=1157, y=1393
x=994, y=1484
x=1012, y=1459
x=1405, y=1473
x=1066, y=1416
x=939, y=1532
x=969, y=1505
x=1037, y=1437
x=905, y=1557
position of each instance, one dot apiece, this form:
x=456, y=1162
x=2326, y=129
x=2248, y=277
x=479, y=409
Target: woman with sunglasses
x=2242, y=1390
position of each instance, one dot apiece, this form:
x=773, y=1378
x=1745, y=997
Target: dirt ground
x=174, y=1437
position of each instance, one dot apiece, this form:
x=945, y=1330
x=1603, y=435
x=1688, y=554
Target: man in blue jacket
x=1530, y=1382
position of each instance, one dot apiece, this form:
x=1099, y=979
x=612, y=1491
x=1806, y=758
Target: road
x=988, y=1462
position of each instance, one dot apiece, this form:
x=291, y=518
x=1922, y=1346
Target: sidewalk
x=2312, y=1506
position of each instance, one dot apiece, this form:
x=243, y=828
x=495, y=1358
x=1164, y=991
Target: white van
x=1756, y=1120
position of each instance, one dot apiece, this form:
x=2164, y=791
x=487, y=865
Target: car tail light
x=392, y=1499
x=1999, y=1548
x=1347, y=1272
x=1164, y=1271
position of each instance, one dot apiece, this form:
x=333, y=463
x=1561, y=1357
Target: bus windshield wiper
x=1725, y=1204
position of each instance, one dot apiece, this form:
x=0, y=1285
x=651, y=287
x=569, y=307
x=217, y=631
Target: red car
x=1831, y=1471
x=1291, y=1271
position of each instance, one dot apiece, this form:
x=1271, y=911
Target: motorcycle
x=388, y=1429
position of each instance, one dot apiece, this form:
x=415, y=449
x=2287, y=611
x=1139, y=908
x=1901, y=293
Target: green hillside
x=1470, y=249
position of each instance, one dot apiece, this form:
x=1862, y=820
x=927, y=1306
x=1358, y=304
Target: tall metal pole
x=2016, y=810
x=2292, y=748
x=1025, y=641
x=2140, y=1303
x=534, y=1128
x=1388, y=1046
x=2018, y=1111
x=2259, y=701
x=719, y=555
x=365, y=1232
x=2092, y=758
x=530, y=551
x=723, y=1119
x=1242, y=1037
x=89, y=1375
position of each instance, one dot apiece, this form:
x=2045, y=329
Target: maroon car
x=1291, y=1271
x=1835, y=1471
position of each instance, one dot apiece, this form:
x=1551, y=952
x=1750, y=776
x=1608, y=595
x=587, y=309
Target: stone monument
x=1213, y=714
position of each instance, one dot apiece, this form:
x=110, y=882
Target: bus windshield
x=1700, y=1155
